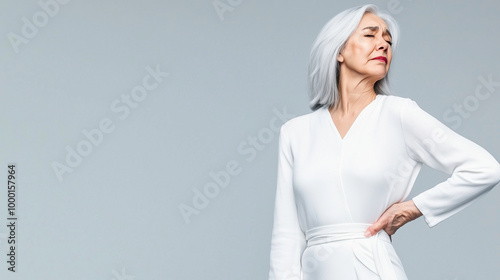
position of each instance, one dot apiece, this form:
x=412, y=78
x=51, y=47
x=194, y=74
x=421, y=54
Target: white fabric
x=330, y=189
x=377, y=260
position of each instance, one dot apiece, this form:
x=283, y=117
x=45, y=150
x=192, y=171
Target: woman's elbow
x=493, y=173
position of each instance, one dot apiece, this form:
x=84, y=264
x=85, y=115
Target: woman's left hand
x=394, y=217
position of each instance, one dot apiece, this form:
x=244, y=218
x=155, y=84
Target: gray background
x=116, y=215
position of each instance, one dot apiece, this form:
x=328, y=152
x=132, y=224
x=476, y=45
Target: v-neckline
x=353, y=123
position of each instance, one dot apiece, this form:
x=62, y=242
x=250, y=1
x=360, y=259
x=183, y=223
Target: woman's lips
x=381, y=58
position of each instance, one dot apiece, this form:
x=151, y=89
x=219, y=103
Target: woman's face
x=370, y=40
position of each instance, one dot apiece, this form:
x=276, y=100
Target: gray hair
x=324, y=68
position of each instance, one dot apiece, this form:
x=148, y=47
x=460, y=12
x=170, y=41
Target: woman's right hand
x=394, y=217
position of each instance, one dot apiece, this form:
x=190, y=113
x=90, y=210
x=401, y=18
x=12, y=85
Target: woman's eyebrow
x=375, y=28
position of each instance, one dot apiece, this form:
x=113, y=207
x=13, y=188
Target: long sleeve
x=288, y=240
x=473, y=171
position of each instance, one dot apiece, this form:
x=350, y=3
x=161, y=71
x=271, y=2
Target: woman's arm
x=288, y=240
x=474, y=171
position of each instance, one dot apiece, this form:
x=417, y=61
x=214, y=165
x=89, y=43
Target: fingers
x=384, y=222
x=393, y=218
x=370, y=232
x=376, y=227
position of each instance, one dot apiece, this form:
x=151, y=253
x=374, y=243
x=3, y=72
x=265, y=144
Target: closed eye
x=389, y=42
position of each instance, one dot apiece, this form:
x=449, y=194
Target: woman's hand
x=394, y=217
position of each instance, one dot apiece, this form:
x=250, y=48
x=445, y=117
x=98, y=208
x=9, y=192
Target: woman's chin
x=379, y=75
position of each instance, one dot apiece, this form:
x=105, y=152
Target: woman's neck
x=354, y=96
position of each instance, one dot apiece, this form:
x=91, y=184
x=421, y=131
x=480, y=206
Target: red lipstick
x=382, y=58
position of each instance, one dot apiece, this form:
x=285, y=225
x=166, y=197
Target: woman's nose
x=382, y=45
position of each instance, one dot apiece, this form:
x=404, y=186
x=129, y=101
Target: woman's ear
x=340, y=58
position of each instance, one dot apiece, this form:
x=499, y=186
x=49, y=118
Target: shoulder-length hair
x=324, y=67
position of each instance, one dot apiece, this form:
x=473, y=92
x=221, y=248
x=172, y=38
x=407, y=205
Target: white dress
x=329, y=189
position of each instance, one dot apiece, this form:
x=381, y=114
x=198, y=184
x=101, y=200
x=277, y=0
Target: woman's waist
x=340, y=232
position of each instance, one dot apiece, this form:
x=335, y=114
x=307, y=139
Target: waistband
x=354, y=231
x=339, y=232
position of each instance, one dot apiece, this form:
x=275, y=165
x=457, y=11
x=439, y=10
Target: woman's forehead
x=372, y=22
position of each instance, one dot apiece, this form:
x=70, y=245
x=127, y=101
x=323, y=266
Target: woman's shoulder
x=304, y=121
x=395, y=105
x=396, y=101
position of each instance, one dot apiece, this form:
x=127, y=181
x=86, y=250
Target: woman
x=345, y=169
